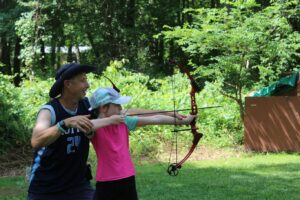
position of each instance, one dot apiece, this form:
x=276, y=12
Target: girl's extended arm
x=101, y=122
x=164, y=120
x=146, y=113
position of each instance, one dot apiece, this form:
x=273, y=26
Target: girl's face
x=111, y=109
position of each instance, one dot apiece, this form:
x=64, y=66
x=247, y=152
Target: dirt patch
x=200, y=153
x=212, y=153
x=14, y=162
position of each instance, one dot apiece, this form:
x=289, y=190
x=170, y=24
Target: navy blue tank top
x=61, y=166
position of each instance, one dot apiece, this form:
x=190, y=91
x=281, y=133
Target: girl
x=115, y=173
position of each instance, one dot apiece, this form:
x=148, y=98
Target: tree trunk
x=58, y=56
x=242, y=110
x=215, y=3
x=110, y=36
x=179, y=13
x=94, y=47
x=130, y=14
x=1, y=55
x=183, y=15
x=189, y=16
x=161, y=51
x=53, y=53
x=43, y=56
x=5, y=57
x=17, y=62
x=70, y=55
x=264, y=3
x=77, y=54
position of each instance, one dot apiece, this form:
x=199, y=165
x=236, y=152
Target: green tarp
x=283, y=84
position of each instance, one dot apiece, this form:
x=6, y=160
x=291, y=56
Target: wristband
x=63, y=125
x=60, y=126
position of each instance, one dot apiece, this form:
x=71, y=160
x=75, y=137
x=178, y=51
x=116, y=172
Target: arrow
x=166, y=111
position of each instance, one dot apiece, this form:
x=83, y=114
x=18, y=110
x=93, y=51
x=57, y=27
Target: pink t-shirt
x=111, y=144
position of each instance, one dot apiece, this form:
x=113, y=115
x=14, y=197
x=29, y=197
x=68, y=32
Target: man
x=59, y=169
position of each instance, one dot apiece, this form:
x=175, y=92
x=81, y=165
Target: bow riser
x=173, y=168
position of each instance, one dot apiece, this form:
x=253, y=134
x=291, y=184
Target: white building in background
x=65, y=49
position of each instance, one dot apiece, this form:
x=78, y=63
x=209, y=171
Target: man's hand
x=82, y=122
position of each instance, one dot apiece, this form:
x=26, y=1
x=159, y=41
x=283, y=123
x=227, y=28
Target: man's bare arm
x=43, y=134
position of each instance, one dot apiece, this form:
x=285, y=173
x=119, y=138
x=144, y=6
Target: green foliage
x=26, y=31
x=265, y=39
x=12, y=129
x=33, y=94
x=113, y=29
x=220, y=128
x=242, y=4
x=7, y=15
x=237, y=48
x=18, y=108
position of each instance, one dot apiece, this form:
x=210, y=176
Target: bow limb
x=114, y=86
x=173, y=169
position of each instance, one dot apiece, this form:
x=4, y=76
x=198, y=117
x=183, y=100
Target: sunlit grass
x=252, y=176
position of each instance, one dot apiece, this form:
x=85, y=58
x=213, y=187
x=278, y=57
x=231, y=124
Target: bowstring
x=175, y=136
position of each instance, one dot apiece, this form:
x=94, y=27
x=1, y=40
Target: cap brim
x=56, y=88
x=122, y=100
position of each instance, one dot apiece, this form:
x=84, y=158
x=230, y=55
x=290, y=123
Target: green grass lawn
x=253, y=176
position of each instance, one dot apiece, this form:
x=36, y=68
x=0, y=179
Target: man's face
x=77, y=86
